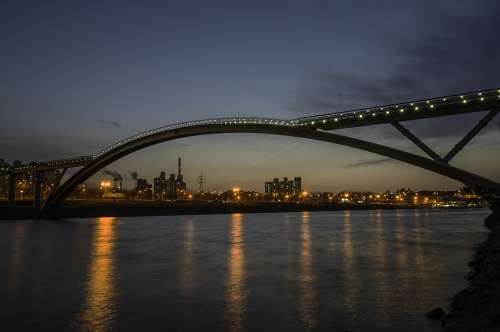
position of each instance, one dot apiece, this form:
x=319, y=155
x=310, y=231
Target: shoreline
x=151, y=208
x=477, y=307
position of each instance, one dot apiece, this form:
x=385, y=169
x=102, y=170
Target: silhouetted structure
x=143, y=190
x=180, y=184
x=278, y=190
x=170, y=188
x=313, y=127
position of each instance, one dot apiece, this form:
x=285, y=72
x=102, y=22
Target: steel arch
x=153, y=137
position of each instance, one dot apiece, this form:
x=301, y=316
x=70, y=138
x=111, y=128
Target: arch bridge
x=318, y=128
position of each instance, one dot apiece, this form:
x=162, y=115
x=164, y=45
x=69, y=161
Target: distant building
x=160, y=186
x=143, y=190
x=285, y=189
x=170, y=188
x=4, y=180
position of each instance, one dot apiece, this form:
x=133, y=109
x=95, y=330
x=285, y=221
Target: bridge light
x=387, y=112
x=464, y=101
x=336, y=119
x=482, y=98
x=324, y=121
x=401, y=110
x=432, y=106
x=416, y=108
x=373, y=114
x=361, y=116
x=312, y=122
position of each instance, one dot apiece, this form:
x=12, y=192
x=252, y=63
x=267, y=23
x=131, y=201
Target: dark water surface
x=318, y=271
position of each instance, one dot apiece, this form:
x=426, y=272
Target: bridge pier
x=37, y=190
x=12, y=189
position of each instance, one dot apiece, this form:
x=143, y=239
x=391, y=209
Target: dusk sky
x=78, y=76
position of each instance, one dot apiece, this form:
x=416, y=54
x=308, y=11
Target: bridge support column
x=12, y=189
x=470, y=135
x=37, y=190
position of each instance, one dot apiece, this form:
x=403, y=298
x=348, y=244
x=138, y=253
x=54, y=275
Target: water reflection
x=381, y=259
x=306, y=288
x=99, y=306
x=236, y=288
x=380, y=267
x=351, y=278
x=187, y=275
x=419, y=251
x=17, y=256
x=402, y=248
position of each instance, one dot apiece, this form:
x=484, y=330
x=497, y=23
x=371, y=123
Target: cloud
x=37, y=150
x=115, y=124
x=368, y=162
x=452, y=52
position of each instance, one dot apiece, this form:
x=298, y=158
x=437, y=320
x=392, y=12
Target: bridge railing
x=217, y=121
x=432, y=104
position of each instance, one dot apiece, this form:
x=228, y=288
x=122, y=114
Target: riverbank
x=477, y=308
x=92, y=209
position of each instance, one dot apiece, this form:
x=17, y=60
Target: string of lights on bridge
x=312, y=122
x=415, y=106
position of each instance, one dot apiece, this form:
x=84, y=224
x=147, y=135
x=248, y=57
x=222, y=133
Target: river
x=310, y=271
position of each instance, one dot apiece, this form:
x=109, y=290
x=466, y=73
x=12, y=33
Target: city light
x=105, y=184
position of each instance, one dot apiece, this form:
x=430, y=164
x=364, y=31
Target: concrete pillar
x=12, y=189
x=37, y=190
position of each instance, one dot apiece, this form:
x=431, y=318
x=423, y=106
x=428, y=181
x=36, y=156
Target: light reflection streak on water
x=381, y=260
x=17, y=256
x=99, y=306
x=235, y=286
x=419, y=250
x=188, y=266
x=351, y=282
x=402, y=249
x=306, y=286
x=380, y=265
x=290, y=250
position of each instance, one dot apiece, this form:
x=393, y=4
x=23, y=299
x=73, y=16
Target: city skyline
x=82, y=88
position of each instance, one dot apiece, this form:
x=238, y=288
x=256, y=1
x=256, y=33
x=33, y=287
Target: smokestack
x=179, y=168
